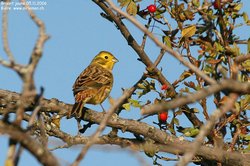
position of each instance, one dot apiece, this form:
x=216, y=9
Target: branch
x=172, y=144
x=205, y=129
x=230, y=158
x=227, y=85
x=144, y=58
x=240, y=59
x=132, y=42
x=103, y=124
x=162, y=45
x=5, y=32
x=40, y=152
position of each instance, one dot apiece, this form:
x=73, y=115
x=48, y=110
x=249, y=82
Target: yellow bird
x=94, y=84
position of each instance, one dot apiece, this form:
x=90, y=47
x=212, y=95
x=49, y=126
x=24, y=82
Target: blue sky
x=78, y=33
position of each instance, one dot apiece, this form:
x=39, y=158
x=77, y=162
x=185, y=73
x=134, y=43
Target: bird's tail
x=77, y=110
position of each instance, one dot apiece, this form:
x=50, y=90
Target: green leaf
x=208, y=69
x=141, y=86
x=176, y=121
x=246, y=65
x=141, y=93
x=218, y=47
x=152, y=85
x=158, y=14
x=126, y=106
x=191, y=132
x=247, y=137
x=172, y=130
x=167, y=41
x=132, y=8
x=134, y=103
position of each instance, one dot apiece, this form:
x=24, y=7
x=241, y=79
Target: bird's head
x=105, y=59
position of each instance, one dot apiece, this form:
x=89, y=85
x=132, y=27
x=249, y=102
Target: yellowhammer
x=94, y=84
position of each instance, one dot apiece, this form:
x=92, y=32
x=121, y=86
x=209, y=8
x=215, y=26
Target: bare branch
x=40, y=152
x=5, y=32
x=27, y=76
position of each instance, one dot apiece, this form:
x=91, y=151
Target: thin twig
x=159, y=58
x=144, y=38
x=5, y=32
x=205, y=129
x=28, y=74
x=162, y=45
x=229, y=85
x=240, y=59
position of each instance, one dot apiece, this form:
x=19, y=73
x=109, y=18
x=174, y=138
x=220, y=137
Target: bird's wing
x=93, y=77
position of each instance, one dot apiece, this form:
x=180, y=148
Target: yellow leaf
x=185, y=75
x=123, y=2
x=238, y=7
x=188, y=31
x=132, y=8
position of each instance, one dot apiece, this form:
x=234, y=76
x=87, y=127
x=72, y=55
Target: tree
x=202, y=36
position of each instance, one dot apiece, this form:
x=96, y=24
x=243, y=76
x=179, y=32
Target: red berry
x=162, y=117
x=152, y=8
x=164, y=87
x=217, y=4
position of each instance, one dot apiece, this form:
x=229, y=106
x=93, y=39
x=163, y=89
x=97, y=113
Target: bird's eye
x=106, y=57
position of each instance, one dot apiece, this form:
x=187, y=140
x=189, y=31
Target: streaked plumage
x=94, y=84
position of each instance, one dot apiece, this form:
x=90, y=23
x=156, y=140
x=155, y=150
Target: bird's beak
x=115, y=60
